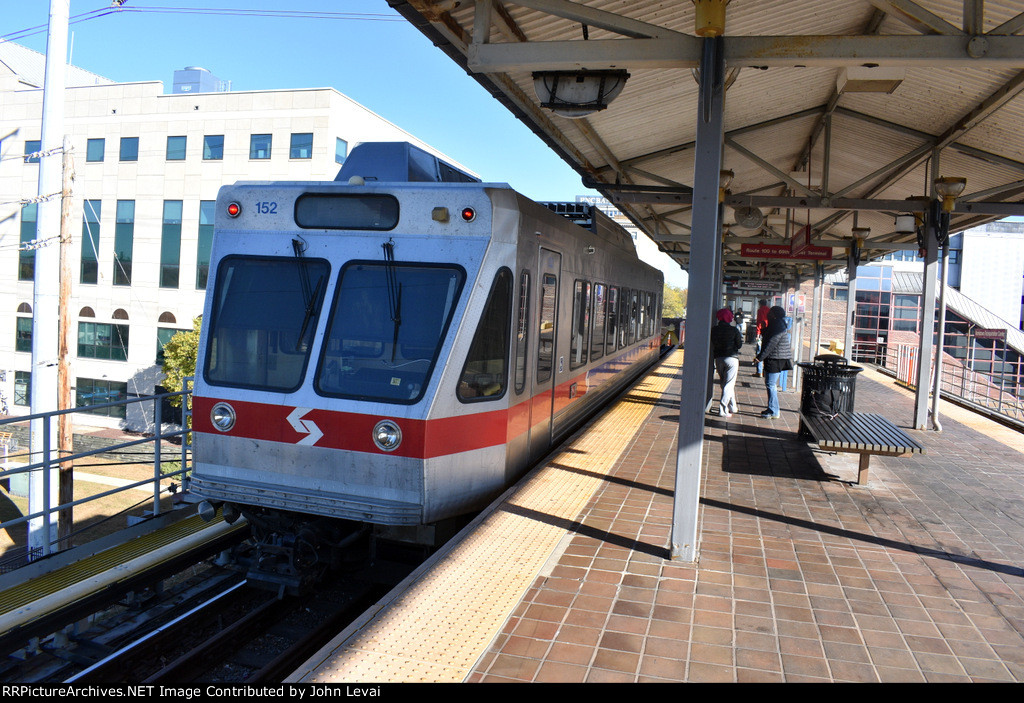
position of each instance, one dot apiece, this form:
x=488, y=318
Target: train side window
x=624, y=317
x=546, y=327
x=580, y=324
x=522, y=330
x=611, y=326
x=600, y=302
x=485, y=374
x=642, y=309
x=632, y=307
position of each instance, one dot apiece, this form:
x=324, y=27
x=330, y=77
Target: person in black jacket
x=777, y=355
x=726, y=341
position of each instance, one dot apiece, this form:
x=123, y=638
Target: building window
x=23, y=388
x=27, y=254
x=213, y=147
x=170, y=244
x=340, y=150
x=31, y=147
x=163, y=336
x=97, y=340
x=905, y=312
x=23, y=335
x=259, y=146
x=207, y=210
x=129, y=149
x=94, y=150
x=93, y=391
x=90, y=241
x=176, y=148
x=302, y=146
x=124, y=236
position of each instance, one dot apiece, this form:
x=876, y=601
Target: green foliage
x=180, y=358
x=675, y=302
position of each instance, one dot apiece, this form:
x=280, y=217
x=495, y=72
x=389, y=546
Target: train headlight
x=222, y=416
x=387, y=435
x=234, y=209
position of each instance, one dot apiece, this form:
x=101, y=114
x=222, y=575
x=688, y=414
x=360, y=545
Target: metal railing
x=41, y=518
x=991, y=393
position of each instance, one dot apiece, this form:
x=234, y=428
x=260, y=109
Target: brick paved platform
x=802, y=575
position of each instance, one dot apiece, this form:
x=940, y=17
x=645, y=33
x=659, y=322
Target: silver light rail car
x=396, y=353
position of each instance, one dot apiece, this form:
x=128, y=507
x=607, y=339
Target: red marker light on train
x=468, y=214
x=234, y=209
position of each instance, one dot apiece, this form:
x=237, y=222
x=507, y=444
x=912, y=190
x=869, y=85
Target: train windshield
x=264, y=314
x=386, y=329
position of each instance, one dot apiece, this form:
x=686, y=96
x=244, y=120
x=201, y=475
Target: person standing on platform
x=759, y=329
x=726, y=342
x=777, y=355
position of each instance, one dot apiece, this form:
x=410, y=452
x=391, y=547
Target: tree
x=180, y=358
x=675, y=302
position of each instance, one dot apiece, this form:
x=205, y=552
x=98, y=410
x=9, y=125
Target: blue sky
x=362, y=48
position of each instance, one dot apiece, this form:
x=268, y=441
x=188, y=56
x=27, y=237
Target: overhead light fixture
x=724, y=181
x=906, y=224
x=709, y=17
x=576, y=94
x=949, y=188
x=869, y=79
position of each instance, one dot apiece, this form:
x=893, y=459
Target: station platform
x=802, y=576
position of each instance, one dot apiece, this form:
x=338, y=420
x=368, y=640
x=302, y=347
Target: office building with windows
x=147, y=165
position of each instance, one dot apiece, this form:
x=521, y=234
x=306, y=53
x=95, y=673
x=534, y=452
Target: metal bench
x=866, y=434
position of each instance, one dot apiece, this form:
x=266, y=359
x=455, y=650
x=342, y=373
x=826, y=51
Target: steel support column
x=43, y=492
x=705, y=244
x=924, y=356
x=816, y=302
x=851, y=306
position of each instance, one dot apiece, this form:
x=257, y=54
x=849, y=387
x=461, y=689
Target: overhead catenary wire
x=222, y=11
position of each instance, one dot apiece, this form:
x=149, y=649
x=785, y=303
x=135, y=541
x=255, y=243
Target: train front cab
x=538, y=327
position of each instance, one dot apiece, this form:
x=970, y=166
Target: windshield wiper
x=309, y=298
x=394, y=292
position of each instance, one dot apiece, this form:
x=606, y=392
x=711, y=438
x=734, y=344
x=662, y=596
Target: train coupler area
x=290, y=553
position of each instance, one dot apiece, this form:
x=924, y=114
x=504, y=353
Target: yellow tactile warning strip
x=435, y=625
x=34, y=589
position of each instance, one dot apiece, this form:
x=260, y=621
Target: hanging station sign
x=783, y=251
x=759, y=285
x=984, y=333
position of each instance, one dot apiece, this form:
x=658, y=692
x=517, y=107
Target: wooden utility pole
x=65, y=436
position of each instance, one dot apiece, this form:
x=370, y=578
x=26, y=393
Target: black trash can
x=829, y=385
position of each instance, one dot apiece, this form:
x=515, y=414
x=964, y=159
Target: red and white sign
x=801, y=241
x=783, y=251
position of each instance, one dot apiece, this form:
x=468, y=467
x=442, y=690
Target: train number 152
x=266, y=208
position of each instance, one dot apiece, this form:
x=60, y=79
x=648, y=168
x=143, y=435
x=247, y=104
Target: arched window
x=86, y=312
x=120, y=314
x=167, y=317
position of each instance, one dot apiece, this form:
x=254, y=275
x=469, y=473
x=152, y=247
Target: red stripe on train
x=421, y=439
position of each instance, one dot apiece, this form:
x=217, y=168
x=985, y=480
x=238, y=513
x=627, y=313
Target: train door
x=549, y=270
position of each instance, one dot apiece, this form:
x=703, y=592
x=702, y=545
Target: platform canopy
x=837, y=113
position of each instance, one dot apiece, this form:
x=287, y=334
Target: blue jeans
x=771, y=382
x=784, y=379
